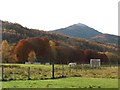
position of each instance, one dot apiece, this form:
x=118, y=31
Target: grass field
x=38, y=72
x=73, y=82
x=15, y=76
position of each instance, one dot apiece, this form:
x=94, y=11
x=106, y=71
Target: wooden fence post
x=69, y=69
x=53, y=71
x=28, y=73
x=62, y=70
x=2, y=73
x=76, y=68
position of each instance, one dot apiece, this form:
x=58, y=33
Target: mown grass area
x=72, y=82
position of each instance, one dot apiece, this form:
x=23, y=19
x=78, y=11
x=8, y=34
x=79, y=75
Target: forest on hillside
x=12, y=33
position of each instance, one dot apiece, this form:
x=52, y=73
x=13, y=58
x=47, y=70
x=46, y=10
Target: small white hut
x=95, y=62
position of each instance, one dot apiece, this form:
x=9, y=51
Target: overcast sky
x=101, y=15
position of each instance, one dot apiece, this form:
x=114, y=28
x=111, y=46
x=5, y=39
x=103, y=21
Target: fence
x=27, y=72
x=39, y=72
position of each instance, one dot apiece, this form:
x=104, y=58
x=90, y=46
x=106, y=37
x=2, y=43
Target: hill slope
x=107, y=38
x=86, y=32
x=13, y=32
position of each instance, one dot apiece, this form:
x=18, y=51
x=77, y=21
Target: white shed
x=95, y=62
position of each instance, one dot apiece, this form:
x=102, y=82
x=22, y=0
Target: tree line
x=35, y=51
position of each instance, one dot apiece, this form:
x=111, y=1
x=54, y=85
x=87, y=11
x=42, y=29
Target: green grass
x=73, y=82
x=38, y=72
x=15, y=76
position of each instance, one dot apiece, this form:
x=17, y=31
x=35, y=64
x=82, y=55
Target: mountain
x=78, y=30
x=86, y=32
x=14, y=32
x=107, y=38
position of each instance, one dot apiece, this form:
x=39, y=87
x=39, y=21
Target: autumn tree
x=61, y=54
x=32, y=56
x=52, y=46
x=113, y=57
x=10, y=53
x=5, y=49
x=39, y=45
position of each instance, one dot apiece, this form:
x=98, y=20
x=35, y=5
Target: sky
x=101, y=15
